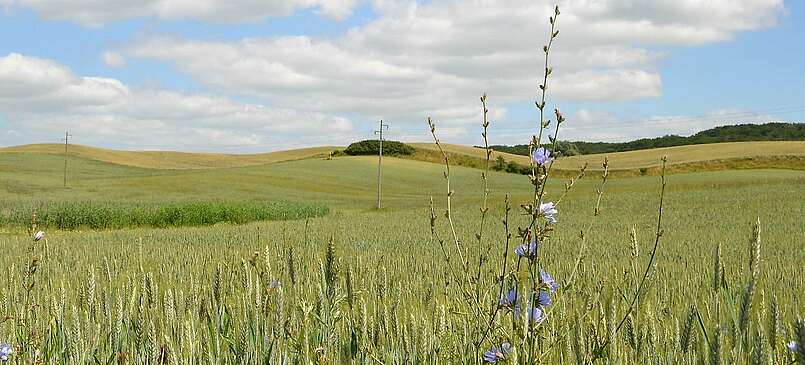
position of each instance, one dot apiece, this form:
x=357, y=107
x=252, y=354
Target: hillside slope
x=716, y=152
x=340, y=183
x=170, y=160
x=706, y=157
x=716, y=156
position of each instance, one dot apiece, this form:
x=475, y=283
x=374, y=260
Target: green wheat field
x=328, y=279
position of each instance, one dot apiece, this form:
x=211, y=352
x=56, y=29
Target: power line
x=66, y=140
x=380, y=160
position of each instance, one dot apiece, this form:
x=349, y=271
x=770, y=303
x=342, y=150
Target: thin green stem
x=598, y=352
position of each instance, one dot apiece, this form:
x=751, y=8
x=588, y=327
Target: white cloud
x=41, y=98
x=415, y=58
x=437, y=57
x=24, y=77
x=611, y=85
x=337, y=9
x=99, y=12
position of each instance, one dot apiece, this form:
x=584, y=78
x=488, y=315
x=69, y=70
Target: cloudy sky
x=258, y=75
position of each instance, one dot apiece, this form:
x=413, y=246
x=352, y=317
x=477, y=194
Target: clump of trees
x=510, y=166
x=372, y=147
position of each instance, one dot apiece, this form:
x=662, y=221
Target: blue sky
x=285, y=74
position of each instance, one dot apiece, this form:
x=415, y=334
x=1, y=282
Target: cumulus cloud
x=41, y=98
x=437, y=57
x=414, y=58
x=97, y=13
x=337, y=9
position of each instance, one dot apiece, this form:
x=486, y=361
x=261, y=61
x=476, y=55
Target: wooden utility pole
x=380, y=160
x=66, y=141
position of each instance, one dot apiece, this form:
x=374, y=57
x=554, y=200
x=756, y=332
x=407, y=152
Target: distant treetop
x=372, y=147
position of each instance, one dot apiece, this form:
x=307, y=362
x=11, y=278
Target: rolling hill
x=337, y=182
x=171, y=160
x=341, y=183
x=704, y=157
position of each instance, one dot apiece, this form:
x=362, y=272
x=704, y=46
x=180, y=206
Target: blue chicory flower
x=528, y=250
x=548, y=210
x=5, y=351
x=541, y=156
x=544, y=299
x=536, y=315
x=496, y=354
x=510, y=300
x=547, y=279
x=793, y=346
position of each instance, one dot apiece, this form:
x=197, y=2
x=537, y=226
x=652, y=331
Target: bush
x=372, y=147
x=500, y=164
x=511, y=167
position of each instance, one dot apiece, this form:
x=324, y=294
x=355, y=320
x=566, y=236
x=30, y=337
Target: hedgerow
x=107, y=215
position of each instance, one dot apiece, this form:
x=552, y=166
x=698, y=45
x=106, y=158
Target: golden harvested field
x=714, y=156
x=717, y=156
x=170, y=160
